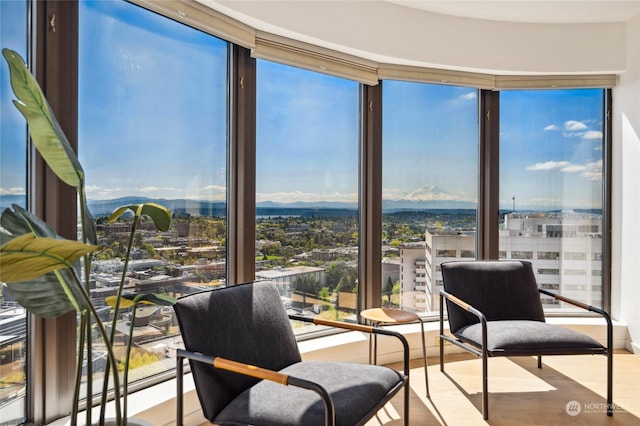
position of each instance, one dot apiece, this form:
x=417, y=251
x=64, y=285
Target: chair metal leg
x=370, y=349
x=375, y=349
x=179, y=385
x=610, y=381
x=406, y=403
x=441, y=334
x=485, y=386
x=424, y=356
x=539, y=361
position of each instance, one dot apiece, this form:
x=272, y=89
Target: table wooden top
x=389, y=315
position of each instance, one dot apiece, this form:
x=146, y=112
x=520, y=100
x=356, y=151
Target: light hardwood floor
x=519, y=392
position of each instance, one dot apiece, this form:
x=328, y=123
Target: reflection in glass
x=551, y=188
x=152, y=128
x=13, y=184
x=429, y=188
x=306, y=189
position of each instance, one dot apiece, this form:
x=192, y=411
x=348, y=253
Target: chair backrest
x=245, y=323
x=501, y=290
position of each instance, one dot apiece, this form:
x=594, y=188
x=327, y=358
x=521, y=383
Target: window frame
x=51, y=342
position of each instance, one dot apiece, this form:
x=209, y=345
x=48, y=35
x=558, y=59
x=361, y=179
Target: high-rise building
x=565, y=249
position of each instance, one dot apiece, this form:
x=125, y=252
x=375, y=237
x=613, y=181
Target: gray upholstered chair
x=494, y=309
x=248, y=370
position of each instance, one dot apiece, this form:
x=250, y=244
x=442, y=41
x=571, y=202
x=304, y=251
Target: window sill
x=156, y=404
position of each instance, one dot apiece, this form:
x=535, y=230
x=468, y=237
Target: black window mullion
x=241, y=211
x=489, y=175
x=370, y=251
x=52, y=342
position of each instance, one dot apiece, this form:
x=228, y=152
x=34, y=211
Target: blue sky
x=551, y=148
x=153, y=123
x=12, y=128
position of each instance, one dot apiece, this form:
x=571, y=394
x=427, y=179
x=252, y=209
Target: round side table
x=389, y=316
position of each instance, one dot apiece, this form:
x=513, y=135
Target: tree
x=387, y=290
x=324, y=294
x=305, y=284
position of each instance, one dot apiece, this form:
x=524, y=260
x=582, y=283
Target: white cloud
x=148, y=189
x=213, y=193
x=578, y=129
x=574, y=126
x=595, y=165
x=572, y=168
x=299, y=196
x=551, y=127
x=590, y=171
x=469, y=96
x=393, y=194
x=543, y=202
x=16, y=190
x=592, y=175
x=592, y=134
x=98, y=193
x=548, y=165
x=214, y=189
x=593, y=171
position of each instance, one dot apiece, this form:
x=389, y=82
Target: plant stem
x=86, y=318
x=110, y=356
x=116, y=308
x=76, y=390
x=126, y=363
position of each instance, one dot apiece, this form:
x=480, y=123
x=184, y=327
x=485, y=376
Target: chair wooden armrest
x=464, y=305
x=242, y=349
x=606, y=317
x=253, y=371
x=362, y=328
x=506, y=292
x=576, y=303
x=467, y=307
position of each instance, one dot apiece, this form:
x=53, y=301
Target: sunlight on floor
x=520, y=393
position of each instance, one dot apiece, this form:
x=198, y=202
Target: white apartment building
x=565, y=249
x=413, y=277
x=283, y=278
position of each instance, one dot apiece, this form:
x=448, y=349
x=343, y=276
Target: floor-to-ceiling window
x=430, y=180
x=153, y=128
x=152, y=117
x=13, y=190
x=551, y=188
x=307, y=188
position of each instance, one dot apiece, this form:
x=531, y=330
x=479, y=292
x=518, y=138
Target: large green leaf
x=46, y=133
x=160, y=215
x=19, y=221
x=44, y=296
x=53, y=293
x=27, y=256
x=44, y=128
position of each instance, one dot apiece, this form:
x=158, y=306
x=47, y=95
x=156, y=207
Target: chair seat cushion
x=522, y=337
x=268, y=403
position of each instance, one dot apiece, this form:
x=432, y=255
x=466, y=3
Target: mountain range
x=209, y=208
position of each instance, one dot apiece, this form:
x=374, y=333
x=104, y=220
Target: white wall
x=626, y=191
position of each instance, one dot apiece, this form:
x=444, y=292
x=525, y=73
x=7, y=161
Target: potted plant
x=42, y=271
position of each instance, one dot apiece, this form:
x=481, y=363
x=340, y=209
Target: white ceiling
x=531, y=11
x=510, y=37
